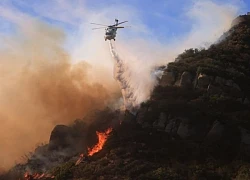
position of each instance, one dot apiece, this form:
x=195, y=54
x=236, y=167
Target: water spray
x=120, y=68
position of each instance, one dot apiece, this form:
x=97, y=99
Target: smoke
x=40, y=88
x=209, y=21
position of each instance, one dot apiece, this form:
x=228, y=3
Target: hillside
x=196, y=124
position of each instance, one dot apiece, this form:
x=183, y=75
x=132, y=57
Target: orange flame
x=28, y=176
x=102, y=138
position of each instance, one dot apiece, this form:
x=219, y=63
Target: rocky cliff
x=204, y=95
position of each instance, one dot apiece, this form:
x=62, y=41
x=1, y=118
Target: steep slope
x=204, y=95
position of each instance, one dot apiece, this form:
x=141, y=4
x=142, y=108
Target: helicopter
x=110, y=30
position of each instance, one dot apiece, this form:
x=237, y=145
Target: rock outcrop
x=161, y=122
x=172, y=126
x=186, y=79
x=61, y=138
x=240, y=20
x=204, y=95
x=203, y=81
x=168, y=79
x=213, y=85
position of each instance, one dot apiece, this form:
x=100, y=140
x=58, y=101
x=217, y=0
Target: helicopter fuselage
x=110, y=33
x=110, y=30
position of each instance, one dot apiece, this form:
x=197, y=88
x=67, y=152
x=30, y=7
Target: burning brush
x=42, y=176
x=102, y=138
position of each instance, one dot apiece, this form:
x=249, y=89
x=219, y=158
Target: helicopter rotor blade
x=99, y=24
x=98, y=28
x=122, y=27
x=122, y=22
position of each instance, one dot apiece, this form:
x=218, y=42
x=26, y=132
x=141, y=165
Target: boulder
x=69, y=140
x=203, y=81
x=246, y=101
x=219, y=81
x=215, y=132
x=61, y=138
x=141, y=114
x=183, y=129
x=235, y=91
x=177, y=82
x=193, y=129
x=238, y=20
x=212, y=89
x=160, y=123
x=223, y=141
x=229, y=83
x=186, y=79
x=167, y=79
x=172, y=126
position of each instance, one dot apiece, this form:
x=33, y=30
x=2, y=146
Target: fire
x=28, y=176
x=102, y=138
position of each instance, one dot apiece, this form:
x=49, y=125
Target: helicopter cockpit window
x=109, y=31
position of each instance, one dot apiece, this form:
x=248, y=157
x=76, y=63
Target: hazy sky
x=163, y=19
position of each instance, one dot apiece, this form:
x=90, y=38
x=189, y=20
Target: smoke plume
x=40, y=88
